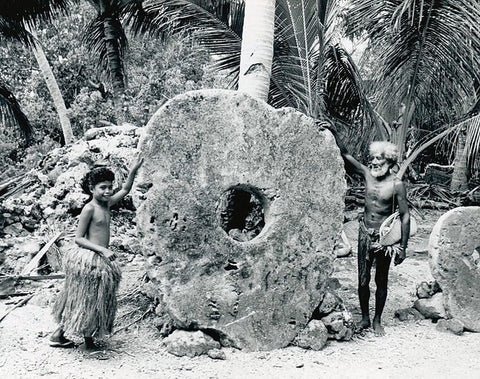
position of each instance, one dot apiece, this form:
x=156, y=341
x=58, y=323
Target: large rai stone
x=454, y=248
x=243, y=204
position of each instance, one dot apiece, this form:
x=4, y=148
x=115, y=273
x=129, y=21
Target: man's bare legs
x=364, y=269
x=381, y=280
x=364, y=296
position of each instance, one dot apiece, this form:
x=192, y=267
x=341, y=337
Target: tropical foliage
x=425, y=53
x=310, y=69
x=15, y=18
x=417, y=84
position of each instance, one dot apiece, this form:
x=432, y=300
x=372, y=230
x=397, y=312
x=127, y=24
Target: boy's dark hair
x=97, y=175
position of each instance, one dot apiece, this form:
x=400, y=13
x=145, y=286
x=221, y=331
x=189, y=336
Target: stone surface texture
x=427, y=289
x=260, y=293
x=339, y=325
x=452, y=325
x=454, y=260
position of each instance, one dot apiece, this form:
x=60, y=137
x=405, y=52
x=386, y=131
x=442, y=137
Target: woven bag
x=391, y=229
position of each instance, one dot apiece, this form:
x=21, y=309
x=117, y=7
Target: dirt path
x=409, y=350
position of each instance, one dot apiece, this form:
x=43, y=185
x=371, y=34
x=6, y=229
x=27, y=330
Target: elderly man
x=383, y=193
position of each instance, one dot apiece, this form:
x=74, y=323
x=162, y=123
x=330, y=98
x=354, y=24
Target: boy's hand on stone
x=138, y=163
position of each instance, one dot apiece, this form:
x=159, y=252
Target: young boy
x=88, y=303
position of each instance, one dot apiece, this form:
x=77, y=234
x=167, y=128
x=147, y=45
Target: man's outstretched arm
x=348, y=158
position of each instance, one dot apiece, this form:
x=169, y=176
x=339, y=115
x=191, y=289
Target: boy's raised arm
x=127, y=186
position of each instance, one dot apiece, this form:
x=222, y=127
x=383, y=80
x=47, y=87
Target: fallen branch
x=7, y=295
x=20, y=304
x=34, y=277
x=149, y=310
x=33, y=264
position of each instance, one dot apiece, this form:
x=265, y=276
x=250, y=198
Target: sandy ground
x=409, y=350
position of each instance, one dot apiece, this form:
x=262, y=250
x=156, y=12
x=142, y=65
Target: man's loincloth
x=87, y=303
x=370, y=250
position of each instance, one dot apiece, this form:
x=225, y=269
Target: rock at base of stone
x=408, y=314
x=455, y=264
x=331, y=302
x=216, y=354
x=313, y=337
x=451, y=325
x=427, y=289
x=432, y=307
x=184, y=343
x=340, y=325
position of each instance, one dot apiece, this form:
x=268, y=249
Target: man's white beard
x=380, y=171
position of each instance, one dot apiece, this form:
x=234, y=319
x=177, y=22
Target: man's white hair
x=387, y=149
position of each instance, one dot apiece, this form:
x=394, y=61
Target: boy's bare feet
x=90, y=345
x=57, y=339
x=378, y=329
x=61, y=341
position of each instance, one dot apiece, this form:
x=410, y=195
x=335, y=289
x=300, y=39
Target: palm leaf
x=11, y=113
x=218, y=28
x=413, y=42
x=472, y=143
x=15, y=15
x=306, y=74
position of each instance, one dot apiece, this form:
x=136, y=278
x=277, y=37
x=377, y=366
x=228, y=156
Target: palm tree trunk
x=54, y=90
x=319, y=101
x=257, y=48
x=115, y=63
x=459, y=176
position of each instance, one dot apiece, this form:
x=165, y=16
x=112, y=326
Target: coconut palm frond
x=140, y=21
x=32, y=11
x=217, y=26
x=13, y=30
x=306, y=74
x=300, y=33
x=11, y=113
x=473, y=143
x=16, y=16
x=415, y=40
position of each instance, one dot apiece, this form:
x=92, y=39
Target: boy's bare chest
x=101, y=218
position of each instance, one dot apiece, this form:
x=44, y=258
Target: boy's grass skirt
x=88, y=303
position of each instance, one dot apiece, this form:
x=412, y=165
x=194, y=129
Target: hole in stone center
x=242, y=213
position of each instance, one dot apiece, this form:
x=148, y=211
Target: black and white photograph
x=240, y=189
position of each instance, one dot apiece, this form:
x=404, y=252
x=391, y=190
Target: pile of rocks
x=48, y=198
x=430, y=305
x=331, y=321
